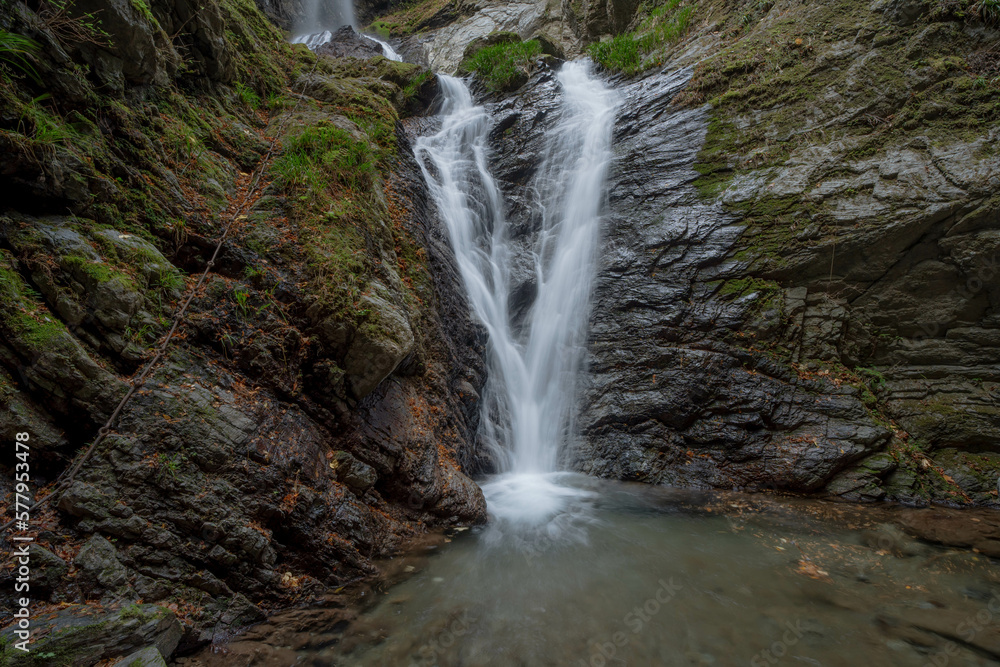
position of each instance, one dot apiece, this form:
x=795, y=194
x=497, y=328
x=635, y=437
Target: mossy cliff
x=312, y=410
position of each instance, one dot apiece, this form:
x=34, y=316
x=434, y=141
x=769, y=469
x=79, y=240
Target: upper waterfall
x=320, y=19
x=529, y=400
x=319, y=15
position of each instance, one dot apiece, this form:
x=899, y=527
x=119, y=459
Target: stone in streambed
x=147, y=657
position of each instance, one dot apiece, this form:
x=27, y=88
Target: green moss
x=331, y=177
x=141, y=7
x=744, y=286
x=410, y=17
x=135, y=611
x=24, y=316
x=502, y=66
x=412, y=89
x=98, y=272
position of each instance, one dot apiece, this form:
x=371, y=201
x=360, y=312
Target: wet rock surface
x=345, y=42
x=87, y=634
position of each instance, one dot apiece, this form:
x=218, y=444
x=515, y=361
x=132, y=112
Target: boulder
x=147, y=657
x=379, y=345
x=83, y=635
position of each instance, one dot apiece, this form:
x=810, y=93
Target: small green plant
x=501, y=65
x=276, y=102
x=18, y=51
x=138, y=335
x=242, y=298
x=168, y=281
x=41, y=126
x=169, y=464
x=988, y=11
x=247, y=95
x=873, y=378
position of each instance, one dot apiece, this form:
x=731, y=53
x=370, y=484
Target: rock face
x=319, y=403
x=345, y=42
x=86, y=634
x=797, y=282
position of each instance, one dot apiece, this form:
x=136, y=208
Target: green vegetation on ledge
x=332, y=174
x=414, y=16
x=503, y=66
x=642, y=48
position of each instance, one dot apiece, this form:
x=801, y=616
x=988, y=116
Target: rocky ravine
x=795, y=293
x=317, y=404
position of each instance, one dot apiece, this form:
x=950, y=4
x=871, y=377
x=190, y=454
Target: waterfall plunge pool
x=577, y=571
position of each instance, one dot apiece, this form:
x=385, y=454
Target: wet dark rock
x=345, y=42
x=669, y=398
x=253, y=466
x=47, y=569
x=904, y=12
x=824, y=323
x=99, y=566
x=87, y=634
x=147, y=657
x=358, y=476
x=954, y=528
x=138, y=50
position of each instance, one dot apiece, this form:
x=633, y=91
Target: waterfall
x=321, y=17
x=529, y=399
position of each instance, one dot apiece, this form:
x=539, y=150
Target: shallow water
x=577, y=571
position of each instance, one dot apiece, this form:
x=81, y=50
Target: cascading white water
x=321, y=17
x=326, y=14
x=529, y=398
x=318, y=39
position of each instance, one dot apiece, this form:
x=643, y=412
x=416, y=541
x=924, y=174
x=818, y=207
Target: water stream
x=529, y=397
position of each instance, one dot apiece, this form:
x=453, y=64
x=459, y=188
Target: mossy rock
x=87, y=634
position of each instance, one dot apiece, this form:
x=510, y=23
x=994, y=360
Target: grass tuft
x=501, y=65
x=632, y=52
